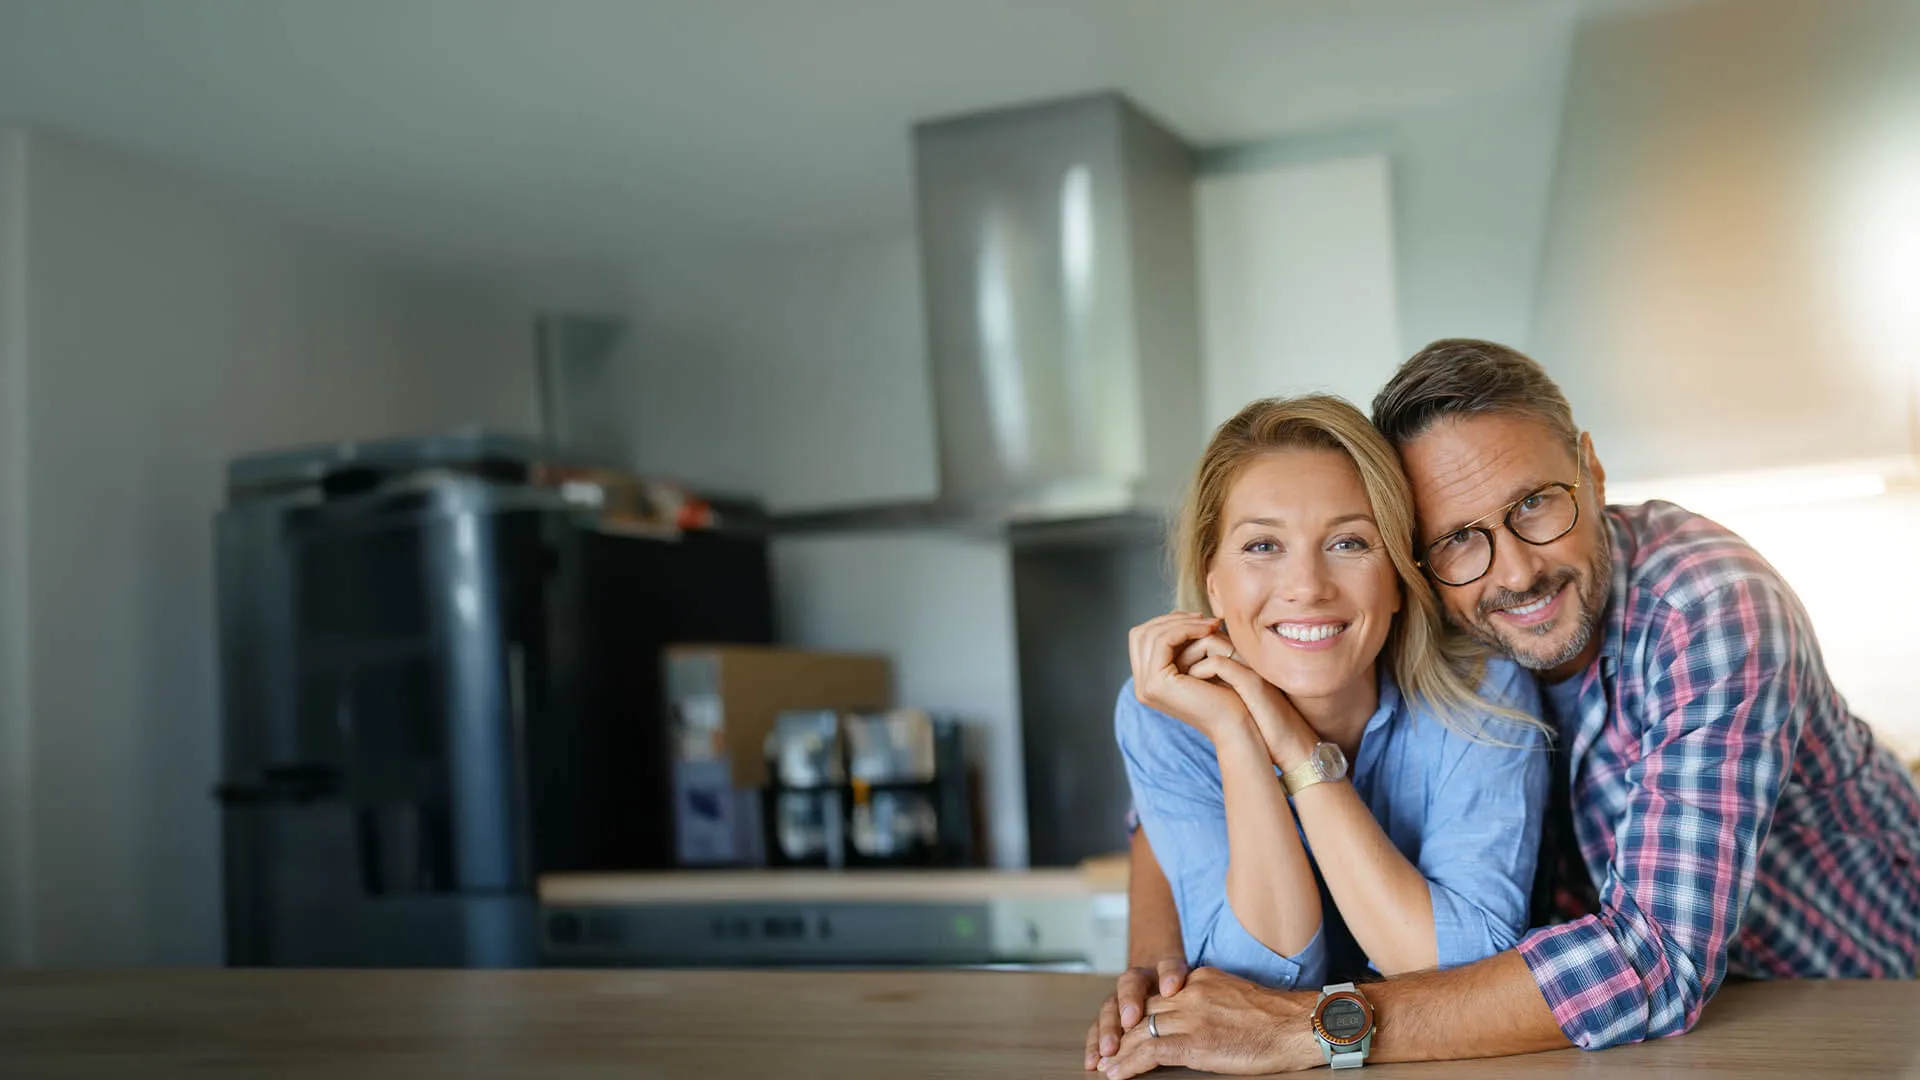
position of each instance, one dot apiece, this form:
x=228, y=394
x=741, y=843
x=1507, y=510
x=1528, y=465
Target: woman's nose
x=1306, y=579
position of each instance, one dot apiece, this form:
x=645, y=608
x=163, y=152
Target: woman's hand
x=1287, y=735
x=1162, y=682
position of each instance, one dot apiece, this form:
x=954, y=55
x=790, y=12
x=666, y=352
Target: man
x=1719, y=811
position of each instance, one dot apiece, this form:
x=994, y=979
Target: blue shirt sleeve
x=1481, y=837
x=1177, y=795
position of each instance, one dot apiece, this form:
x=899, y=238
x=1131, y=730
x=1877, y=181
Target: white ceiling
x=603, y=130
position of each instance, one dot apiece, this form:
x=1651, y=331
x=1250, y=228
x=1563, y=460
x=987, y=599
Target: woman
x=1308, y=642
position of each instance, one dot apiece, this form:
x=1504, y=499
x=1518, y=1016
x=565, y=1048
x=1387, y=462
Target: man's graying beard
x=1600, y=577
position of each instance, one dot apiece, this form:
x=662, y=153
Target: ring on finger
x=1153, y=1025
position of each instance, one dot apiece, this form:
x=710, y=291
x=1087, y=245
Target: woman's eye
x=1351, y=544
x=1261, y=547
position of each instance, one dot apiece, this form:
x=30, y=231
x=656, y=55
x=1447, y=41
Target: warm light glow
x=1733, y=492
x=1876, y=236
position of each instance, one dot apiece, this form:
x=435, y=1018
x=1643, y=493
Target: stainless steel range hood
x=1057, y=245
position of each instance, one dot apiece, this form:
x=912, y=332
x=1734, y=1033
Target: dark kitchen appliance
x=440, y=680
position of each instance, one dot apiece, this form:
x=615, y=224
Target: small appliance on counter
x=724, y=701
x=868, y=789
x=806, y=781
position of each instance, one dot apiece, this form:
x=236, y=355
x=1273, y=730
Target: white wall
x=1297, y=289
x=796, y=373
x=170, y=328
x=1314, y=256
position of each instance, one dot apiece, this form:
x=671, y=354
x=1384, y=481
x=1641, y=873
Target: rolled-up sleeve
x=1481, y=839
x=1178, y=799
x=1729, y=673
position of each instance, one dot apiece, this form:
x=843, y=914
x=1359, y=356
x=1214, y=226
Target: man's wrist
x=1296, y=1029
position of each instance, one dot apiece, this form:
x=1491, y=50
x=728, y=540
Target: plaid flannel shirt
x=1733, y=815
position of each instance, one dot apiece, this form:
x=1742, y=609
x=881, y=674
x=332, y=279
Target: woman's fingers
x=1153, y=643
x=1214, y=644
x=1161, y=682
x=1142, y=639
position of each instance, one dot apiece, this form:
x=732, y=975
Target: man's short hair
x=1468, y=377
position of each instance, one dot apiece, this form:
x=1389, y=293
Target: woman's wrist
x=1239, y=738
x=1288, y=740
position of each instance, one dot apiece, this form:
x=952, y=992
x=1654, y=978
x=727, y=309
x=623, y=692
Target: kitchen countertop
x=847, y=1026
x=872, y=886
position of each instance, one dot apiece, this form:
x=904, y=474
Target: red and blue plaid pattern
x=1734, y=816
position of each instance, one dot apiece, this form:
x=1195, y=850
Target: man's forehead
x=1463, y=467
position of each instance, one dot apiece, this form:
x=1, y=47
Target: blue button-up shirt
x=1465, y=813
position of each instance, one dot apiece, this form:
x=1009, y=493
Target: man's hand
x=1224, y=1024
x=1127, y=1005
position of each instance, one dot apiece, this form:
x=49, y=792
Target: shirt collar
x=1615, y=618
x=1389, y=693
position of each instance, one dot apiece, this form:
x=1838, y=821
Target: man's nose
x=1517, y=565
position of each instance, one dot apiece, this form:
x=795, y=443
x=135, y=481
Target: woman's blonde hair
x=1429, y=660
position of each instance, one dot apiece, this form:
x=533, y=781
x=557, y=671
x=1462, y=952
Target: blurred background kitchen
x=500, y=483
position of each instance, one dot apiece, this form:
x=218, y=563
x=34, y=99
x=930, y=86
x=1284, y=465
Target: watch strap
x=1346, y=1057
x=1299, y=778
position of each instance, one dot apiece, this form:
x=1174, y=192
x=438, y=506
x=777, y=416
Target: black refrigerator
x=440, y=680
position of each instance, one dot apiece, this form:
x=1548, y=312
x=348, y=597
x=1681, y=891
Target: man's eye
x=1459, y=539
x=1532, y=502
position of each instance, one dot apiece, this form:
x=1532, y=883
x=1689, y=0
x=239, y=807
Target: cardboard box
x=723, y=699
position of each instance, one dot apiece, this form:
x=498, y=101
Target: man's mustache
x=1539, y=590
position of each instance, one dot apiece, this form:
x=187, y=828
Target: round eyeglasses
x=1464, y=555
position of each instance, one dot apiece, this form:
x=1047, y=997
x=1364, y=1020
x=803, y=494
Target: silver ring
x=1231, y=653
x=1153, y=1025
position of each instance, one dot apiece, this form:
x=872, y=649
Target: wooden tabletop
x=708, y=1025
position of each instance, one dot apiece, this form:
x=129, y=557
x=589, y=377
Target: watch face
x=1329, y=762
x=1343, y=1019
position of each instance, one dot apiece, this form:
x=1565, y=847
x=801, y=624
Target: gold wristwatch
x=1325, y=762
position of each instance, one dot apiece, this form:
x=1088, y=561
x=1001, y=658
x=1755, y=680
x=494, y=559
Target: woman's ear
x=1213, y=596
